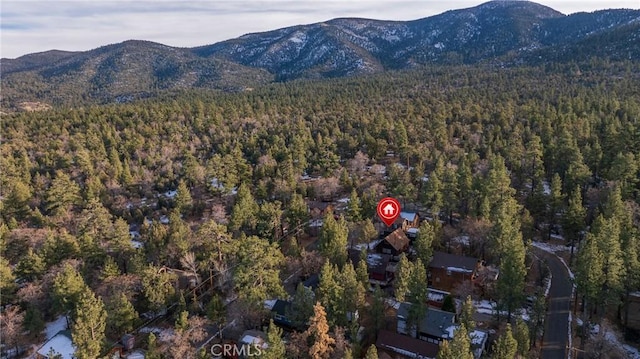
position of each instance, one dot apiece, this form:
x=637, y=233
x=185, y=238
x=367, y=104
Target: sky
x=28, y=26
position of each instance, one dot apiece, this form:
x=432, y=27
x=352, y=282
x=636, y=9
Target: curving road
x=556, y=328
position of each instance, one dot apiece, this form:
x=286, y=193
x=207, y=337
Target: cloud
x=34, y=26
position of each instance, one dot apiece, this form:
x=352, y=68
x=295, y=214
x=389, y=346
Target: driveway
x=556, y=329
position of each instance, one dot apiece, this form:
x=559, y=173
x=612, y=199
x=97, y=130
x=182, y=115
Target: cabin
x=60, y=344
x=394, y=243
x=313, y=282
x=448, y=271
x=279, y=312
x=318, y=209
x=254, y=341
x=407, y=220
x=436, y=326
x=379, y=267
x=402, y=346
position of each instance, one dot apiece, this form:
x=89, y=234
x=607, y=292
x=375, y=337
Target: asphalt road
x=556, y=328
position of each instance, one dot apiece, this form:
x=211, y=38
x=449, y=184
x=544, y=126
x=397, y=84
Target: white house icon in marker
x=389, y=210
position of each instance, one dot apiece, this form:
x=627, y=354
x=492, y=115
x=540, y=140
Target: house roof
x=256, y=337
x=436, y=322
x=312, y=282
x=405, y=345
x=376, y=262
x=409, y=216
x=60, y=343
x=397, y=239
x=280, y=306
x=453, y=262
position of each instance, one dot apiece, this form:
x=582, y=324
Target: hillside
x=508, y=33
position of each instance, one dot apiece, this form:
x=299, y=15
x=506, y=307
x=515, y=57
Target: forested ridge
x=520, y=153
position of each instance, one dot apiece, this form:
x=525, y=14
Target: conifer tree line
x=213, y=182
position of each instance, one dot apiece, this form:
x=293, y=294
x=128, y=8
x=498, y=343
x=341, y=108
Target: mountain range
x=503, y=32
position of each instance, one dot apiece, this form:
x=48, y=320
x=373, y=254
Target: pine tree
x=354, y=291
x=606, y=233
x=296, y=212
x=257, y=273
x=318, y=333
x=417, y=295
x=182, y=321
x=333, y=239
x=121, y=315
x=372, y=352
x=466, y=313
x=362, y=272
x=63, y=194
x=110, y=269
x=16, y=203
x=331, y=294
x=461, y=344
x=152, y=348
x=509, y=245
x=556, y=199
x=269, y=220
x=301, y=306
x=183, y=200
x=88, y=328
x=506, y=346
x=245, y=211
x=157, y=286
x=497, y=185
x=424, y=242
x=276, y=349
x=354, y=211
x=522, y=337
x=31, y=266
x=402, y=278
x=444, y=352
x=68, y=287
x=376, y=309
x=432, y=194
x=573, y=219
x=589, y=270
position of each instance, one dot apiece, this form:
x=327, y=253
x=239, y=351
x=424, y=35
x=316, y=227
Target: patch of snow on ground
x=549, y=247
x=485, y=307
x=171, y=194
x=343, y=200
x=315, y=223
x=52, y=328
x=464, y=240
x=557, y=236
x=546, y=187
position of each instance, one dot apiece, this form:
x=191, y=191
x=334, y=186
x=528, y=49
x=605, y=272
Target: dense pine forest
x=107, y=210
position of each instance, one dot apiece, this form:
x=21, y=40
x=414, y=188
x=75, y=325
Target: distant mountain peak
x=505, y=32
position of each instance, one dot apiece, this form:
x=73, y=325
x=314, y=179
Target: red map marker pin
x=388, y=210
